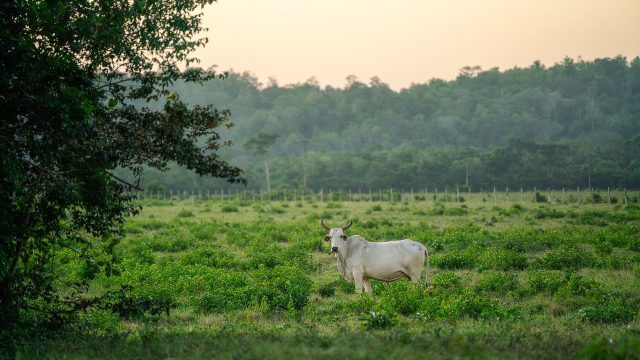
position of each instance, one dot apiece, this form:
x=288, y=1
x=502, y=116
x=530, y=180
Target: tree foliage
x=75, y=77
x=523, y=127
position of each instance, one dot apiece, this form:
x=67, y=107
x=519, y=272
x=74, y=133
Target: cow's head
x=337, y=236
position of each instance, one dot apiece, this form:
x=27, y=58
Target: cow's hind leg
x=414, y=276
x=367, y=286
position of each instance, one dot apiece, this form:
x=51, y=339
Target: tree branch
x=124, y=182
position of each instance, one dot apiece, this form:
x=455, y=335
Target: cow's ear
x=326, y=238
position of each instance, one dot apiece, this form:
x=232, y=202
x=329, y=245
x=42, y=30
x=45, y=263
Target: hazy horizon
x=410, y=41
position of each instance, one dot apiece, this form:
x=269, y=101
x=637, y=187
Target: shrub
x=578, y=285
x=401, y=297
x=607, y=312
x=463, y=259
x=500, y=282
x=467, y=304
x=210, y=257
x=185, y=213
x=276, y=210
x=283, y=287
x=446, y=280
x=328, y=289
x=279, y=288
x=545, y=281
x=228, y=209
x=540, y=198
x=566, y=257
x=376, y=207
x=498, y=259
x=547, y=213
x=377, y=320
x=456, y=211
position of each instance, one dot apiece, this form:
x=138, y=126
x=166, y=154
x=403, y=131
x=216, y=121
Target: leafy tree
x=259, y=146
x=77, y=81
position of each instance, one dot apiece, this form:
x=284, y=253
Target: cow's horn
x=346, y=227
x=324, y=226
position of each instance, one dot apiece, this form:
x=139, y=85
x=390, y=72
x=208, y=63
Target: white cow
x=360, y=260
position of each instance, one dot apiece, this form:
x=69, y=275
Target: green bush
x=607, y=312
x=578, y=285
x=467, y=304
x=500, y=282
x=377, y=320
x=498, y=259
x=279, y=288
x=446, y=280
x=185, y=213
x=211, y=257
x=547, y=213
x=229, y=208
x=402, y=297
x=283, y=287
x=327, y=289
x=545, y=281
x=566, y=257
x=462, y=259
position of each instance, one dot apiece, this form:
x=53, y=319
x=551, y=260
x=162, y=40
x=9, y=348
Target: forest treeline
x=571, y=124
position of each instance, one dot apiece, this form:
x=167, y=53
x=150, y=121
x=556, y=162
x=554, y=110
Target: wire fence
x=444, y=195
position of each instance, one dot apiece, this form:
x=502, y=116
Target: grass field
x=254, y=280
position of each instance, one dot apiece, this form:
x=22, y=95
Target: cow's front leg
x=357, y=277
x=367, y=286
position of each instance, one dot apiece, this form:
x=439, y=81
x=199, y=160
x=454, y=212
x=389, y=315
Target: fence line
x=497, y=196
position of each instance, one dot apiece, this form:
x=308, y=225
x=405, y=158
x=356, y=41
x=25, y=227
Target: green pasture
x=253, y=279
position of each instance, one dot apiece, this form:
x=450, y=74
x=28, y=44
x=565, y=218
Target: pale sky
x=411, y=41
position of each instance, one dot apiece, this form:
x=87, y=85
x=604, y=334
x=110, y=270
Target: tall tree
x=70, y=74
x=259, y=146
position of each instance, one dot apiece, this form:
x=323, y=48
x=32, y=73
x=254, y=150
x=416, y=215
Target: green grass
x=255, y=280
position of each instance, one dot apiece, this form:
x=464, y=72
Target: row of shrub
x=448, y=298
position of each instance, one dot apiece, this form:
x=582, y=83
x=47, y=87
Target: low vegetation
x=237, y=280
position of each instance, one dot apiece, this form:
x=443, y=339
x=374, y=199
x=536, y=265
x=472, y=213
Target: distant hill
x=589, y=109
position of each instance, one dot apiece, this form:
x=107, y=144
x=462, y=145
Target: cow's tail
x=426, y=274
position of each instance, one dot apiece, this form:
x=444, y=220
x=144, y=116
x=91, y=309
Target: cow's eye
x=327, y=238
x=343, y=237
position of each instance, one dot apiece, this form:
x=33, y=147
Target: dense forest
x=576, y=123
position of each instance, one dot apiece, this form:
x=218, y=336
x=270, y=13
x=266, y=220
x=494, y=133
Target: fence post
x=609, y=195
x=436, y=196
x=625, y=196
x=391, y=195
x=482, y=194
x=578, y=195
x=426, y=194
x=412, y=195
x=535, y=198
x=593, y=197
x=495, y=197
x=350, y=198
x=458, y=195
x=507, y=196
x=370, y=196
x=445, y=194
x=549, y=195
x=521, y=195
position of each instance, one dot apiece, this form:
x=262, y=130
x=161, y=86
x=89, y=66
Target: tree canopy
x=75, y=78
x=532, y=126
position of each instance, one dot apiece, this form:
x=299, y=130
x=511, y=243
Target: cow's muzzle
x=334, y=249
